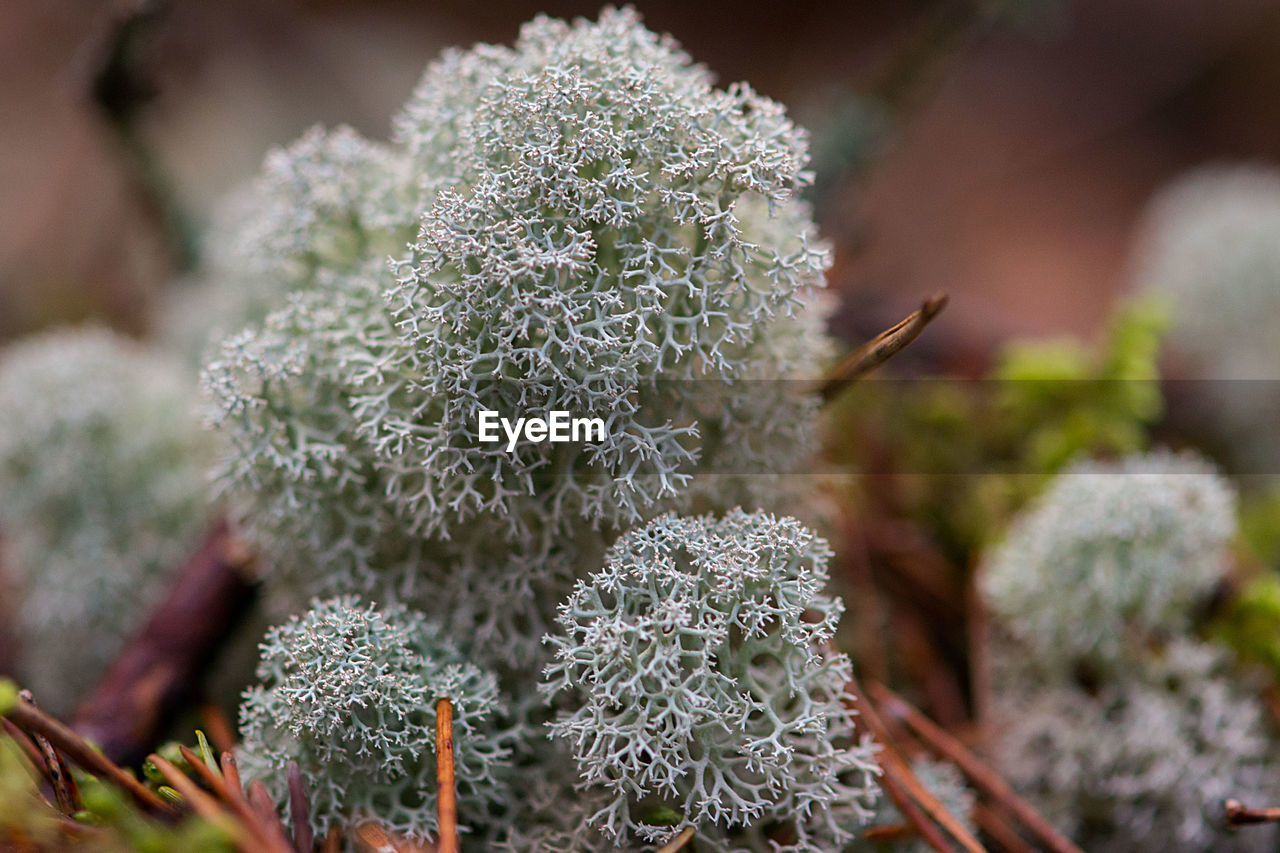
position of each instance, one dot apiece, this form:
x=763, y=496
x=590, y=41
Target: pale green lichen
x=1143, y=763
x=584, y=224
x=349, y=692
x=1209, y=244
x=697, y=684
x=1112, y=557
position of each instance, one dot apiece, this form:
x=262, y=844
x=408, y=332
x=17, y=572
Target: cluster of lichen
x=103, y=490
x=697, y=684
x=348, y=691
x=1210, y=246
x=581, y=223
x=1114, y=717
x=578, y=223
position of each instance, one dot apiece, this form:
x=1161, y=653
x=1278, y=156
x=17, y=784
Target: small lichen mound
x=1210, y=245
x=1143, y=764
x=699, y=685
x=600, y=217
x=103, y=492
x=349, y=692
x=1112, y=557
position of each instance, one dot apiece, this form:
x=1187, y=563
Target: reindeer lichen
x=698, y=684
x=580, y=222
x=349, y=692
x=1113, y=556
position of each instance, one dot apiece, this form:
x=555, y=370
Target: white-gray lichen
x=1210, y=246
x=1143, y=763
x=698, y=685
x=1110, y=716
x=349, y=692
x=1112, y=557
x=103, y=492
x=1210, y=243
x=580, y=222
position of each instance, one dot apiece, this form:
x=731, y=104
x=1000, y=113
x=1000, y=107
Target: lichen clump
x=578, y=223
x=1113, y=556
x=695, y=667
x=1115, y=719
x=103, y=492
x=349, y=691
x=1210, y=244
x=1210, y=247
x=1144, y=764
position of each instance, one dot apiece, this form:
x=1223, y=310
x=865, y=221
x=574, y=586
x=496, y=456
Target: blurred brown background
x=1021, y=145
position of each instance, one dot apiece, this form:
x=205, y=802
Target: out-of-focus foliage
x=1112, y=558
x=1210, y=245
x=946, y=783
x=1251, y=622
x=1066, y=398
x=1042, y=404
x=1143, y=763
x=1113, y=716
x=108, y=823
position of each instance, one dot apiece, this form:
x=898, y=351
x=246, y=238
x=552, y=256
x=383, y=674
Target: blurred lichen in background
x=103, y=492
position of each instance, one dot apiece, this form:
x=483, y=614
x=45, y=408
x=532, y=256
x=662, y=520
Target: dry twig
x=902, y=785
x=37, y=723
x=1239, y=815
x=994, y=827
x=201, y=803
x=299, y=810
x=447, y=798
x=883, y=347
x=982, y=777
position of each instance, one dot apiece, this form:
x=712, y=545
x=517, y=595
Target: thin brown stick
x=299, y=810
x=231, y=778
x=447, y=798
x=873, y=656
x=262, y=804
x=373, y=838
x=889, y=833
x=266, y=827
x=902, y=785
x=995, y=828
x=231, y=796
x=36, y=722
x=880, y=349
x=983, y=778
x=332, y=841
x=918, y=822
x=27, y=745
x=65, y=791
x=679, y=842
x=1240, y=815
